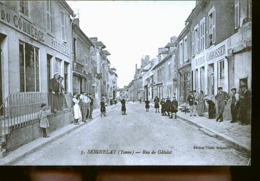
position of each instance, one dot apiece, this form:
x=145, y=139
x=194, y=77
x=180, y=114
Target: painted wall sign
x=21, y=24
x=59, y=47
x=216, y=53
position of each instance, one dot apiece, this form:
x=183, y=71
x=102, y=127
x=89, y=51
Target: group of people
x=83, y=107
x=168, y=107
x=57, y=100
x=240, y=104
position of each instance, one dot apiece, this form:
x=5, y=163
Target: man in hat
x=245, y=105
x=54, y=90
x=234, y=105
x=91, y=105
x=168, y=105
x=174, y=107
x=221, y=98
x=191, y=100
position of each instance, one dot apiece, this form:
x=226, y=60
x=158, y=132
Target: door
x=49, y=57
x=2, y=37
x=211, y=80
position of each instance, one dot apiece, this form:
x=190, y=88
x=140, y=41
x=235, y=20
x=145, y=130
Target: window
x=181, y=52
x=249, y=8
x=29, y=68
x=221, y=69
x=185, y=49
x=75, y=48
x=202, y=34
x=49, y=16
x=66, y=76
x=198, y=39
x=193, y=42
x=63, y=26
x=212, y=26
x=58, y=65
x=237, y=14
x=24, y=7
x=169, y=70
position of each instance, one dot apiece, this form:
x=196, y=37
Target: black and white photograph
x=126, y=83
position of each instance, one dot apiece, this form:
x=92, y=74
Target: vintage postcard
x=125, y=82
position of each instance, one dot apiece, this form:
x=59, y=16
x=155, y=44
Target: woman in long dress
x=201, y=103
x=123, y=108
x=76, y=108
x=156, y=104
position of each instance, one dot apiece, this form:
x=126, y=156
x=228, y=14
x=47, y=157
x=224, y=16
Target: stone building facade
x=35, y=40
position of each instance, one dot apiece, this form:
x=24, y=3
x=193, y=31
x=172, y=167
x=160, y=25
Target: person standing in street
x=163, y=107
x=211, y=108
x=191, y=100
x=90, y=106
x=245, y=105
x=168, y=106
x=201, y=103
x=62, y=100
x=85, y=106
x=174, y=107
x=156, y=104
x=76, y=109
x=221, y=98
x=103, y=106
x=44, y=123
x=123, y=108
x=54, y=90
x=234, y=105
x=147, y=106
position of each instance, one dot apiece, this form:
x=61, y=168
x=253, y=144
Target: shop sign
x=59, y=47
x=18, y=22
x=216, y=53
x=200, y=61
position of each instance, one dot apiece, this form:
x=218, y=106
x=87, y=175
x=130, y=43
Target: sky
x=131, y=29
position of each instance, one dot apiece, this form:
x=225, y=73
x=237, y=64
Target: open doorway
x=2, y=37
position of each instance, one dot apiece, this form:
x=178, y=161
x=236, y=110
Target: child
x=103, y=107
x=44, y=123
x=174, y=107
x=76, y=108
x=123, y=108
x=147, y=105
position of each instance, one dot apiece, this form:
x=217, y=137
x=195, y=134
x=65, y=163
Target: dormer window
x=24, y=7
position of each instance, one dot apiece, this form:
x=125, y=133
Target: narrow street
x=138, y=138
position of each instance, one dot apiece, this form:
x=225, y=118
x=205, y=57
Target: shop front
x=210, y=70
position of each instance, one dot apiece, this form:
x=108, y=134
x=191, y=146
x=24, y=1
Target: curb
x=217, y=135
x=11, y=161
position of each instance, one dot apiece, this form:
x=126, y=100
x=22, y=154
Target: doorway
x=210, y=80
x=2, y=37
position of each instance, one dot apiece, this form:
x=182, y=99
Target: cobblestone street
x=117, y=140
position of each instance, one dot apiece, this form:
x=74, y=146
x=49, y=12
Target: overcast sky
x=132, y=29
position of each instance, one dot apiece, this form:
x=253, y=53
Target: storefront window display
x=29, y=68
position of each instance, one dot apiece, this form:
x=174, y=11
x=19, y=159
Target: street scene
x=78, y=89
x=131, y=140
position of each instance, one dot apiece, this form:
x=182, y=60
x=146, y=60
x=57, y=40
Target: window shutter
x=206, y=33
x=214, y=27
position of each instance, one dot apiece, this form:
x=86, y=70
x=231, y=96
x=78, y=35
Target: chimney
x=173, y=39
x=76, y=21
x=93, y=39
x=135, y=67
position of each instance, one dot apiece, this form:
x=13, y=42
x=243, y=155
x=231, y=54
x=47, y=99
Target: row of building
x=213, y=50
x=38, y=39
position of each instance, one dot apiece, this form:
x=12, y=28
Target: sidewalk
x=238, y=135
x=29, y=148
